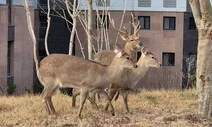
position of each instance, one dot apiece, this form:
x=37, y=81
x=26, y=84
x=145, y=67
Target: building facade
x=16, y=56
x=165, y=31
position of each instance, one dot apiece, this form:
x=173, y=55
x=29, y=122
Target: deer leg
x=92, y=96
x=109, y=103
x=111, y=93
x=125, y=99
x=47, y=98
x=75, y=93
x=116, y=96
x=92, y=101
x=83, y=96
x=50, y=100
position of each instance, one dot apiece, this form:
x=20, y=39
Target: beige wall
x=157, y=41
x=3, y=46
x=23, y=51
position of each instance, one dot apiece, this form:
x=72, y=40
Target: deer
x=129, y=79
x=62, y=70
x=105, y=57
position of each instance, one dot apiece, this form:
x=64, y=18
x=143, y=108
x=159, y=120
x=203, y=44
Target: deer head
x=132, y=41
x=148, y=59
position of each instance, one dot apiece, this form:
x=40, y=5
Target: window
x=169, y=23
x=144, y=22
x=102, y=21
x=192, y=25
x=168, y=59
x=144, y=3
x=103, y=3
x=169, y=3
x=43, y=2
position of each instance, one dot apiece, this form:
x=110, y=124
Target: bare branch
x=47, y=29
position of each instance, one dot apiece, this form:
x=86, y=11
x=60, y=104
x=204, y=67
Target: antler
x=113, y=24
x=135, y=25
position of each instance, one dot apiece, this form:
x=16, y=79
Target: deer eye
x=128, y=58
x=153, y=57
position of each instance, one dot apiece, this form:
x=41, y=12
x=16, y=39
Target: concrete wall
x=157, y=41
x=23, y=50
x=3, y=46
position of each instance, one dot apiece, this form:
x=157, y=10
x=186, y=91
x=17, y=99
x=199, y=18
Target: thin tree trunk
x=74, y=18
x=32, y=34
x=47, y=29
x=90, y=26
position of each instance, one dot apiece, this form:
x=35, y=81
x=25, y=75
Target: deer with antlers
x=132, y=43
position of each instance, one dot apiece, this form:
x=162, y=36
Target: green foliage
x=11, y=88
x=37, y=88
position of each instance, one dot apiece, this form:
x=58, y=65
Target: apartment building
x=167, y=30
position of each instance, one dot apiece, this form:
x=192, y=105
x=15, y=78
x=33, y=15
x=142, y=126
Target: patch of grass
x=147, y=109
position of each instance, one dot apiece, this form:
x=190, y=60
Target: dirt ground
x=164, y=108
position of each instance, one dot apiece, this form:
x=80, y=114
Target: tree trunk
x=90, y=26
x=202, y=12
x=204, y=76
x=74, y=18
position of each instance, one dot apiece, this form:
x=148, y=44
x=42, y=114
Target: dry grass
x=169, y=108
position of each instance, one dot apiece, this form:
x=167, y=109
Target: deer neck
x=142, y=67
x=113, y=70
x=130, y=52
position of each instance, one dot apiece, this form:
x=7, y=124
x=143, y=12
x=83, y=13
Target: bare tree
x=74, y=18
x=202, y=12
x=48, y=27
x=90, y=26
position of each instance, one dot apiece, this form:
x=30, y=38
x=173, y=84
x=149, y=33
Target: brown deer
x=60, y=70
x=130, y=77
x=132, y=43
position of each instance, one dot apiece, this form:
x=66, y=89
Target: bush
x=11, y=88
x=37, y=88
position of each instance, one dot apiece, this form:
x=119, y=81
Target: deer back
x=71, y=71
